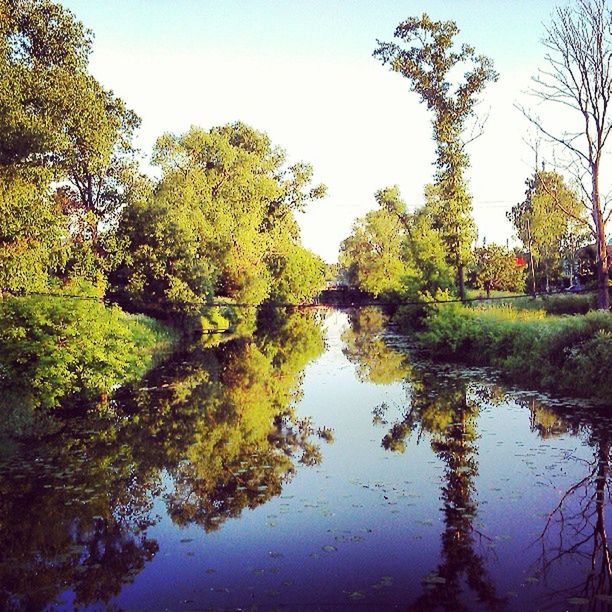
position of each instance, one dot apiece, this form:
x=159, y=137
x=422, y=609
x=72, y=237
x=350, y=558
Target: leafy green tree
x=496, y=267
x=298, y=275
x=223, y=214
x=32, y=235
x=429, y=65
x=97, y=158
x=427, y=250
x=59, y=125
x=397, y=254
x=163, y=265
x=43, y=56
x=372, y=254
x=544, y=228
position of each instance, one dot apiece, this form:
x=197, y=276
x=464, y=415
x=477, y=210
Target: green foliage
x=58, y=124
x=31, y=233
x=43, y=55
x=220, y=222
x=298, y=276
x=397, y=255
x=546, y=222
x=570, y=355
x=56, y=349
x=554, y=304
x=163, y=268
x=569, y=304
x=372, y=254
x=427, y=56
x=393, y=253
x=495, y=267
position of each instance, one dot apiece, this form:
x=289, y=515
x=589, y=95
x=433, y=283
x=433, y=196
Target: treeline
x=402, y=256
x=76, y=212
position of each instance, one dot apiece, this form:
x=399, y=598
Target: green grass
x=570, y=355
x=562, y=303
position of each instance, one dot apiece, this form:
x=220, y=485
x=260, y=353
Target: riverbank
x=569, y=355
x=71, y=349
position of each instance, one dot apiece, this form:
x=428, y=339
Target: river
x=319, y=465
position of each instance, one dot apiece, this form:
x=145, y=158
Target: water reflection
x=443, y=406
x=211, y=432
x=575, y=530
x=215, y=431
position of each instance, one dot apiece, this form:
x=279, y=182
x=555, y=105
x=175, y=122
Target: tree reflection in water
x=444, y=409
x=75, y=506
x=447, y=412
x=575, y=529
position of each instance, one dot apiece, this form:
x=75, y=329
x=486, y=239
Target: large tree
x=219, y=222
x=44, y=52
x=579, y=78
x=373, y=254
x=61, y=131
x=97, y=157
x=394, y=253
x=427, y=55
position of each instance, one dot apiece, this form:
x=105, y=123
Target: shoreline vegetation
x=567, y=354
x=62, y=353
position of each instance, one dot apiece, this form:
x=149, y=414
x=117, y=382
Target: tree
x=98, y=157
x=496, y=267
x=220, y=222
x=43, y=54
x=579, y=77
x=59, y=126
x=428, y=65
x=551, y=235
x=395, y=253
x=372, y=254
x=31, y=234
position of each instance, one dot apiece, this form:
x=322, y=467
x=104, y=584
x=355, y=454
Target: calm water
x=316, y=466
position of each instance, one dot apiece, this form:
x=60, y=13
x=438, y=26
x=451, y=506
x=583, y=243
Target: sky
x=302, y=71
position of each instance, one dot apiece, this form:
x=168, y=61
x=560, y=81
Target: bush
x=54, y=349
x=569, y=304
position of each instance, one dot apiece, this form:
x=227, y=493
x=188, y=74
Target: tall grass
x=565, y=354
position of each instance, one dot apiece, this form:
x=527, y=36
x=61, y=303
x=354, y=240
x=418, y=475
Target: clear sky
x=302, y=71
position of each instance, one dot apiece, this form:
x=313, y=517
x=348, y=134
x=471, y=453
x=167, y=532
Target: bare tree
x=579, y=77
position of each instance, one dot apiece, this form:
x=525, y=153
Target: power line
x=318, y=304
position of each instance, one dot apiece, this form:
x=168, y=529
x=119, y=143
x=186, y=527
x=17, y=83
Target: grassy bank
x=55, y=350
x=570, y=355
x=555, y=304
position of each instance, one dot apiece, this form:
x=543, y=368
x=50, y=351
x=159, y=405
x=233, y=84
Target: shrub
x=57, y=348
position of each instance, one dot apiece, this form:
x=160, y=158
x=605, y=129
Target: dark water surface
x=316, y=466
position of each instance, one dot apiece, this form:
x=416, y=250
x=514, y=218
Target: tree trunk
x=603, y=292
x=603, y=296
x=461, y=281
